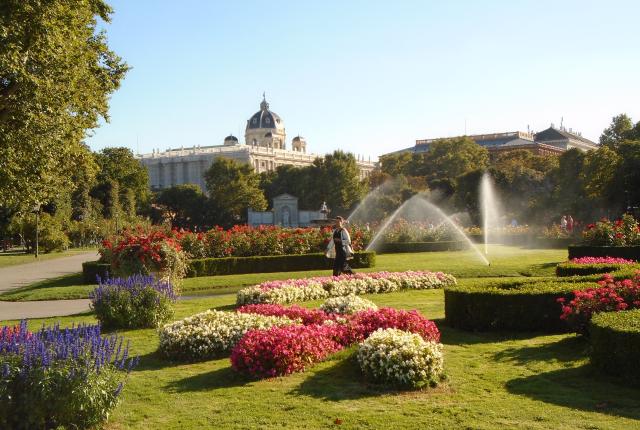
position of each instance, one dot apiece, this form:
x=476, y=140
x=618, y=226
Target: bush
x=294, y=290
x=211, y=333
x=135, y=302
x=608, y=296
x=598, y=266
x=92, y=270
x=295, y=312
x=615, y=344
x=627, y=252
x=281, y=351
x=347, y=305
x=401, y=359
x=271, y=263
x=517, y=306
x=623, y=232
x=399, y=247
x=67, y=378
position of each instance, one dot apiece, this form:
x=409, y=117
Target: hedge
x=628, y=252
x=615, y=344
x=271, y=263
x=399, y=247
x=515, y=305
x=572, y=269
x=92, y=269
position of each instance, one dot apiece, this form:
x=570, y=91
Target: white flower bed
x=400, y=358
x=297, y=290
x=210, y=333
x=347, y=305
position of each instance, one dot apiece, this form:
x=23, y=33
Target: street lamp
x=36, y=210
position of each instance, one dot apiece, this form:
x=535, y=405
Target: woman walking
x=339, y=249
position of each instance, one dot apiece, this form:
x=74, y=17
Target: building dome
x=299, y=144
x=265, y=118
x=231, y=140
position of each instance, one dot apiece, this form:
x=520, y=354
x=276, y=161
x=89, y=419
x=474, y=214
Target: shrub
x=402, y=359
x=623, y=232
x=211, y=333
x=609, y=296
x=92, y=270
x=347, y=305
x=294, y=290
x=615, y=344
x=137, y=301
x=67, y=378
x=282, y=350
x=517, y=306
x=307, y=316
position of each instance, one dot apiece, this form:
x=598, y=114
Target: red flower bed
x=611, y=296
x=308, y=316
x=282, y=350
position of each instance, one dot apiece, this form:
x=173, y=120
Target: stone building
x=264, y=148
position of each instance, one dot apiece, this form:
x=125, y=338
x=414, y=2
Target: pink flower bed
x=308, y=316
x=283, y=350
x=601, y=260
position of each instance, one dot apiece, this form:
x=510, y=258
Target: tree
x=600, y=168
x=336, y=180
x=56, y=75
x=625, y=188
x=396, y=164
x=297, y=181
x=186, y=205
x=233, y=187
x=120, y=165
x=619, y=130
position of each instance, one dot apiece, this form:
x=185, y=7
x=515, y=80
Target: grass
x=505, y=261
x=496, y=380
x=12, y=258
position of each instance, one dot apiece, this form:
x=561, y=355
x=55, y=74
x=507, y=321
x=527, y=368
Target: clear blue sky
x=369, y=76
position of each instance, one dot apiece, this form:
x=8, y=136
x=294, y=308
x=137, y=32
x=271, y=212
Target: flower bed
x=615, y=344
x=593, y=265
x=305, y=315
x=211, y=333
x=608, y=296
x=137, y=301
x=294, y=290
x=347, y=305
x=56, y=377
x=622, y=232
x=398, y=358
x=601, y=260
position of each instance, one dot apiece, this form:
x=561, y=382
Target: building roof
x=231, y=137
x=265, y=118
x=553, y=133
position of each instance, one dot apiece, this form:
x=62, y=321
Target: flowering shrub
x=307, y=316
x=623, y=232
x=133, y=302
x=399, y=358
x=600, y=260
x=405, y=231
x=282, y=350
x=294, y=290
x=347, y=305
x=211, y=333
x=140, y=252
x=68, y=378
x=610, y=296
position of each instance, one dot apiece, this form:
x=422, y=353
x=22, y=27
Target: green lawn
x=14, y=257
x=494, y=381
x=505, y=261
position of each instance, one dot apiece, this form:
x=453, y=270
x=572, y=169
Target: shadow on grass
x=540, y=269
x=580, y=388
x=342, y=380
x=453, y=336
x=225, y=377
x=569, y=349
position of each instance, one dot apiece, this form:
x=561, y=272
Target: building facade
x=265, y=148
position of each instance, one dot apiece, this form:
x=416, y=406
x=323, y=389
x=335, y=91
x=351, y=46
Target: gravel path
x=42, y=309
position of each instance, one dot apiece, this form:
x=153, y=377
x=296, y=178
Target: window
x=267, y=120
x=254, y=121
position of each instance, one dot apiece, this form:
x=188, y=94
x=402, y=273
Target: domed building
x=265, y=149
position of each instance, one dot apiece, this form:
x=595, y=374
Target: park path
x=12, y=277
x=42, y=309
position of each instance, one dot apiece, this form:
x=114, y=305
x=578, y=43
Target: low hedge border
x=573, y=269
x=515, y=306
x=628, y=252
x=271, y=263
x=615, y=344
x=400, y=247
x=92, y=269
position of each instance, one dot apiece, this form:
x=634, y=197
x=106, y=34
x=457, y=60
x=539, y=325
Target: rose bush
x=399, y=358
x=211, y=333
x=347, y=305
x=622, y=232
x=294, y=290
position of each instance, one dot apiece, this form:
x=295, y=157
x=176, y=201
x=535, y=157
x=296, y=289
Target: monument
x=285, y=213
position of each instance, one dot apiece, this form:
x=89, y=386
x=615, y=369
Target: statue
x=285, y=216
x=324, y=210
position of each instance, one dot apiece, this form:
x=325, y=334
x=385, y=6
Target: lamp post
x=36, y=210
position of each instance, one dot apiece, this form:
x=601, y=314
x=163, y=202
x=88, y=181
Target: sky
x=368, y=77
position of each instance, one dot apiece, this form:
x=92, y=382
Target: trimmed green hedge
x=516, y=305
x=628, y=252
x=572, y=269
x=615, y=344
x=92, y=269
x=271, y=263
x=399, y=247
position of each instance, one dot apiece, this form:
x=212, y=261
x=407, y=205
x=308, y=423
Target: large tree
x=119, y=165
x=336, y=181
x=620, y=129
x=185, y=204
x=233, y=187
x=56, y=75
